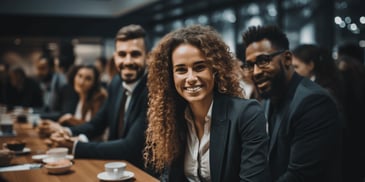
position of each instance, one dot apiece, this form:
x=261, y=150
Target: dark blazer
x=238, y=143
x=129, y=147
x=305, y=144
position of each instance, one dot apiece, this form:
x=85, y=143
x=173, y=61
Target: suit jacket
x=29, y=96
x=238, y=143
x=130, y=145
x=305, y=143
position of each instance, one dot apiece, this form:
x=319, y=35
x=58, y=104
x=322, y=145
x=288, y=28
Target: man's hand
x=5, y=156
x=47, y=127
x=62, y=139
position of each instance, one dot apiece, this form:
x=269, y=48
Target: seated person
x=126, y=122
x=21, y=90
x=82, y=97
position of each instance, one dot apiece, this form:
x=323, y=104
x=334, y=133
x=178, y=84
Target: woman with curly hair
x=200, y=127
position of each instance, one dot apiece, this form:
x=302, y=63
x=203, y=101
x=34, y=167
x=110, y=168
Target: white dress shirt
x=196, y=164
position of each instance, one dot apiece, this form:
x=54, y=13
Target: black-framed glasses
x=261, y=60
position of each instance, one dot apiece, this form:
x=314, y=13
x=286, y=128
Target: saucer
x=40, y=157
x=46, y=159
x=24, y=151
x=126, y=175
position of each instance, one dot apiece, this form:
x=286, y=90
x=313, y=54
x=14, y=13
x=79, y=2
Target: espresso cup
x=6, y=124
x=115, y=170
x=57, y=153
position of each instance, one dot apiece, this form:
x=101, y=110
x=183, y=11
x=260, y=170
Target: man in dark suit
x=126, y=131
x=303, y=122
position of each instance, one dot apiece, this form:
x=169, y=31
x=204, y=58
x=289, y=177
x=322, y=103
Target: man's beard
x=278, y=85
x=139, y=73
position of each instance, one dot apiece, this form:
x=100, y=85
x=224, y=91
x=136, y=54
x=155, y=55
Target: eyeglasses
x=261, y=61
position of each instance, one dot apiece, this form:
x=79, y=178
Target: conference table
x=82, y=170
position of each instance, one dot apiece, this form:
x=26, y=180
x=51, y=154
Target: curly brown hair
x=165, y=132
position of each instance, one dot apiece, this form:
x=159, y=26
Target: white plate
x=45, y=158
x=40, y=157
x=127, y=175
x=24, y=151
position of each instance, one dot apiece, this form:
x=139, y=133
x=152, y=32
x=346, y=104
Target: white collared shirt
x=197, y=164
x=129, y=90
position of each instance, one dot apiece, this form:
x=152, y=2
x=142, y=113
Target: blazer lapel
x=218, y=136
x=279, y=117
x=136, y=95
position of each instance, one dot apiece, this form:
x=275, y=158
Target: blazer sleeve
x=128, y=148
x=254, y=144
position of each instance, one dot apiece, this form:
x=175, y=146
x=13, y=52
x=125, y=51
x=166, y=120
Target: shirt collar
x=208, y=117
x=130, y=86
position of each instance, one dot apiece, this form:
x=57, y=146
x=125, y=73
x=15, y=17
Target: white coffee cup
x=115, y=170
x=57, y=153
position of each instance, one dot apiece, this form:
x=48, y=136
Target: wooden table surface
x=82, y=170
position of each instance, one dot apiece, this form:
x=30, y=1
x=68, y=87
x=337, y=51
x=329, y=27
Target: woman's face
x=302, y=68
x=84, y=80
x=193, y=74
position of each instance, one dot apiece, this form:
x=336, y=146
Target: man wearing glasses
x=303, y=122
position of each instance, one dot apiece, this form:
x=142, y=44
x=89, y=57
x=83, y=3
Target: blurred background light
x=348, y=19
x=362, y=43
x=338, y=20
x=271, y=9
x=362, y=19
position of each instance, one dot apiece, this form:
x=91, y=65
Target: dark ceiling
x=102, y=18
x=64, y=25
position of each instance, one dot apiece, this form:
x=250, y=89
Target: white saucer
x=127, y=175
x=24, y=151
x=40, y=157
x=44, y=158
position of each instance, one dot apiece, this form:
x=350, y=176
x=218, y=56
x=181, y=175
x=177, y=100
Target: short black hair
x=271, y=32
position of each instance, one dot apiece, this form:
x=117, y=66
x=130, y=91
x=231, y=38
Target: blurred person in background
x=80, y=99
x=353, y=72
x=111, y=69
x=66, y=58
x=100, y=64
x=83, y=96
x=317, y=64
x=4, y=68
x=21, y=90
x=352, y=50
x=50, y=81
